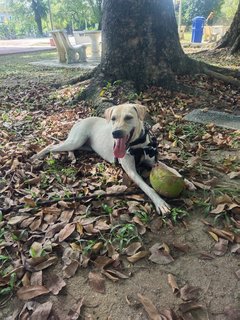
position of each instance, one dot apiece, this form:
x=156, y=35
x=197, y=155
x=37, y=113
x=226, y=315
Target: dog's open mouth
x=121, y=145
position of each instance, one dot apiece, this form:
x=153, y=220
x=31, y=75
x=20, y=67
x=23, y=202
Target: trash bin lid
x=198, y=18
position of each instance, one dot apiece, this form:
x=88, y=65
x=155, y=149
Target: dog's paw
x=162, y=207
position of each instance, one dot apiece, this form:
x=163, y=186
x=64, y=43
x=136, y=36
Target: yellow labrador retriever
x=121, y=137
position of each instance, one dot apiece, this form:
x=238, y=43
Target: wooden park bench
x=182, y=30
x=68, y=53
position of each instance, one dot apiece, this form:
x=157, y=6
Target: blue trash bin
x=197, y=29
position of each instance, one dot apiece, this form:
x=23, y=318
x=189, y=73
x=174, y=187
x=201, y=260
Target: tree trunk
x=231, y=39
x=37, y=17
x=141, y=43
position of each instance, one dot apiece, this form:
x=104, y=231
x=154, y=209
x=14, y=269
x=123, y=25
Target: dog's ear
x=141, y=111
x=108, y=113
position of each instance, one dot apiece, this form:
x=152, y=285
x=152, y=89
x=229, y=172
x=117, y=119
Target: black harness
x=141, y=151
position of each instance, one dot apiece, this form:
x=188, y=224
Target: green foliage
x=178, y=214
x=29, y=16
x=194, y=8
x=228, y=9
x=123, y=235
x=10, y=287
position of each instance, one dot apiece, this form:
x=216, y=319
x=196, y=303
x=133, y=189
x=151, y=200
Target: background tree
x=231, y=39
x=40, y=10
x=22, y=22
x=30, y=17
x=228, y=10
x=96, y=7
x=140, y=42
x=193, y=8
x=140, y=45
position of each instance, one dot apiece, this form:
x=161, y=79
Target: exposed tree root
x=71, y=199
x=97, y=81
x=226, y=79
x=86, y=76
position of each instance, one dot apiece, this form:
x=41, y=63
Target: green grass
x=18, y=69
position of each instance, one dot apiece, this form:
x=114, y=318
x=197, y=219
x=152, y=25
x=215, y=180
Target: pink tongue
x=119, y=149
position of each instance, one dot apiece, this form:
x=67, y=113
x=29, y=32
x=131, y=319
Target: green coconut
x=165, y=182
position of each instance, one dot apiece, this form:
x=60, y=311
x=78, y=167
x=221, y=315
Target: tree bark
x=37, y=16
x=231, y=39
x=141, y=47
x=141, y=43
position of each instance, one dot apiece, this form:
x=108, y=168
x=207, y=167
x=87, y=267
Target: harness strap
x=148, y=150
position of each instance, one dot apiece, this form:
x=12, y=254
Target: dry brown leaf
x=25, y=280
x=55, y=284
x=189, y=293
x=52, y=230
x=35, y=224
x=173, y=283
x=224, y=198
x=29, y=201
x=66, y=216
x=201, y=185
x=75, y=311
x=190, y=306
x=96, y=282
x=102, y=261
x=71, y=269
x=30, y=292
x=160, y=254
x=184, y=247
x=235, y=248
x=133, y=248
x=149, y=307
x=206, y=256
x=36, y=249
x=232, y=312
x=36, y=278
x=223, y=234
x=219, y=209
x=25, y=223
x=102, y=225
x=213, y=235
x=49, y=261
x=234, y=174
x=66, y=231
x=220, y=247
x=117, y=273
x=97, y=247
x=17, y=219
x=88, y=221
x=110, y=276
x=238, y=273
x=116, y=189
x=137, y=256
x=42, y=312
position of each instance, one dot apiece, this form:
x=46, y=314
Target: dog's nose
x=117, y=134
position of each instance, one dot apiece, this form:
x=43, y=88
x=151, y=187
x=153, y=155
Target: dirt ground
x=33, y=111
x=216, y=277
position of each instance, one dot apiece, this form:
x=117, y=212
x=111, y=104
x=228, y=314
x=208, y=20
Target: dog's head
x=127, y=124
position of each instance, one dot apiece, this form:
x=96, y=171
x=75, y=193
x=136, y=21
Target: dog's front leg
x=128, y=164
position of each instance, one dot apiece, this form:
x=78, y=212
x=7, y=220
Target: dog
x=119, y=137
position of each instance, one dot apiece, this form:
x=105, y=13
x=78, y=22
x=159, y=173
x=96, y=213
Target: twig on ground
x=40, y=203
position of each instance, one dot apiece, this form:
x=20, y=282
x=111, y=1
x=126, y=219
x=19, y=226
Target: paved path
x=221, y=119
x=24, y=45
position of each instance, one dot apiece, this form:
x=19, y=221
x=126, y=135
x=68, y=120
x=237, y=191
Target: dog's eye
x=128, y=118
x=113, y=118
